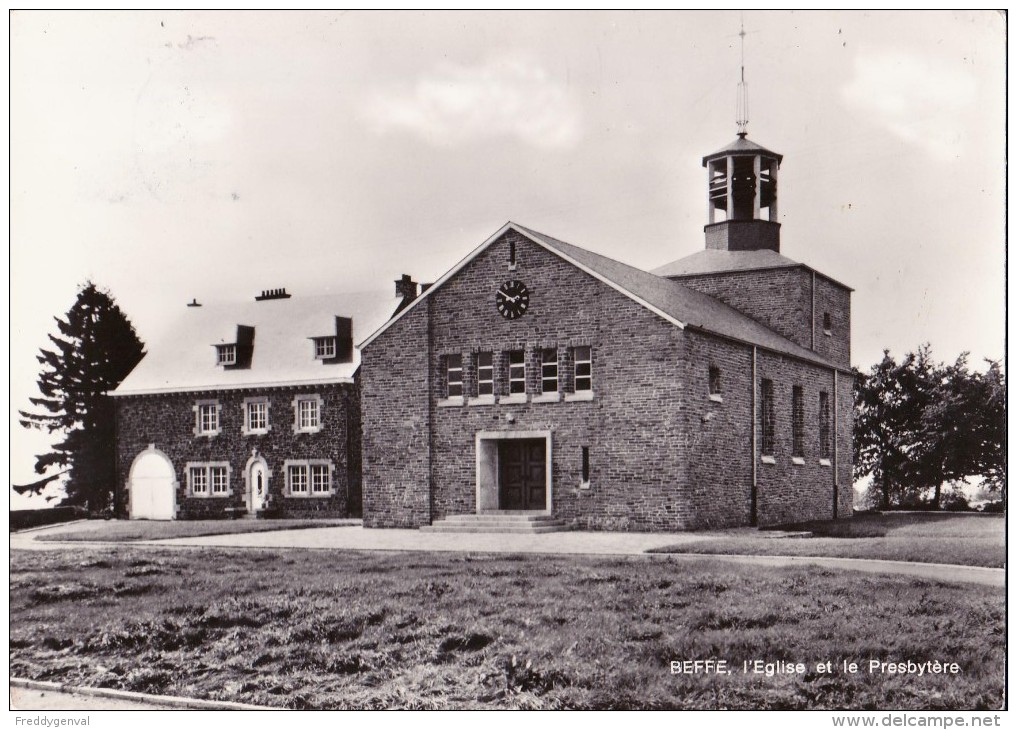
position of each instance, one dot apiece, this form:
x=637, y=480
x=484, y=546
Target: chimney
x=193, y=303
x=267, y=294
x=425, y=287
x=343, y=339
x=406, y=288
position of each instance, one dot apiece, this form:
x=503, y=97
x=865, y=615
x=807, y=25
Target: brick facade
x=663, y=454
x=168, y=423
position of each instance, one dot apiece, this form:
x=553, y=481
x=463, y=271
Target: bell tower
x=742, y=187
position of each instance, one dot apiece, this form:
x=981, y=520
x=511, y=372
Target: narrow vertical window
x=220, y=479
x=827, y=323
x=549, y=371
x=766, y=417
x=797, y=421
x=586, y=464
x=512, y=253
x=714, y=380
x=485, y=373
x=584, y=369
x=199, y=480
x=454, y=376
x=517, y=372
x=321, y=482
x=298, y=479
x=824, y=425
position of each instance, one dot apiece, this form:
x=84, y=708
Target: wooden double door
x=522, y=474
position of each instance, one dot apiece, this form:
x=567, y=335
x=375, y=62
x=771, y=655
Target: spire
x=742, y=104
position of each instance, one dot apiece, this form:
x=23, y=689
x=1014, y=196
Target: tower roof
x=742, y=146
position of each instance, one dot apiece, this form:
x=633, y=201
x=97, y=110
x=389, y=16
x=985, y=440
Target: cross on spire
x=742, y=104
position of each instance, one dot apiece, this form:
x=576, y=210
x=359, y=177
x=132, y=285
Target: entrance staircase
x=499, y=521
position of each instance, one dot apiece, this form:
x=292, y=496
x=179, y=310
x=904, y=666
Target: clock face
x=512, y=299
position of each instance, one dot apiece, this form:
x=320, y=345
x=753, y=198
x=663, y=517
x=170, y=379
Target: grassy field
x=961, y=539
x=132, y=530
x=308, y=629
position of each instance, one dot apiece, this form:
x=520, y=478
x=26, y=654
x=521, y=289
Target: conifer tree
x=94, y=350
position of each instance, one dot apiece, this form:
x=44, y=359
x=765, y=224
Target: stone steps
x=514, y=522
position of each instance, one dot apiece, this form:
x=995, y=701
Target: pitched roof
x=743, y=146
x=678, y=304
x=713, y=261
x=185, y=358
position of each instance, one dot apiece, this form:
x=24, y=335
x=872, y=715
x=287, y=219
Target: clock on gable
x=512, y=299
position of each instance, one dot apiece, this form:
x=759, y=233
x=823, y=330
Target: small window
x=307, y=414
x=296, y=475
x=485, y=373
x=198, y=477
x=586, y=465
x=324, y=348
x=512, y=252
x=226, y=354
x=797, y=421
x=220, y=480
x=206, y=418
x=584, y=369
x=549, y=371
x=255, y=416
x=824, y=425
x=714, y=380
x=827, y=323
x=517, y=372
x=454, y=376
x=767, y=417
x=321, y=479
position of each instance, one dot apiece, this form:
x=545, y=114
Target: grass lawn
x=309, y=629
x=130, y=530
x=961, y=539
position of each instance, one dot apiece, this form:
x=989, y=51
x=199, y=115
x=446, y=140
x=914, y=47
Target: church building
x=538, y=385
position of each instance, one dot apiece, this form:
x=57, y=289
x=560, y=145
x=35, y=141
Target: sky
x=176, y=155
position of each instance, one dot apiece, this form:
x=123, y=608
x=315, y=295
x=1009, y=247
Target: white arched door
x=258, y=484
x=153, y=487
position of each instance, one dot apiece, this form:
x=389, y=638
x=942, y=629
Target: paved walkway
x=559, y=543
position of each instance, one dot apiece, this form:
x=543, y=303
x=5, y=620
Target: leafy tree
x=94, y=351
x=919, y=425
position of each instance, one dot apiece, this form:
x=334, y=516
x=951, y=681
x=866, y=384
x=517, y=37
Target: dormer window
x=324, y=348
x=226, y=354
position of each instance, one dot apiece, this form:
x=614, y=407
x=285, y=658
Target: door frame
x=256, y=458
x=488, y=468
x=130, y=481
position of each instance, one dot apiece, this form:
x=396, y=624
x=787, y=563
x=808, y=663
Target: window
x=549, y=371
x=512, y=253
x=485, y=373
x=517, y=372
x=714, y=380
x=296, y=477
x=767, y=417
x=307, y=413
x=324, y=348
x=454, y=376
x=824, y=425
x=226, y=354
x=198, y=477
x=255, y=416
x=585, y=478
x=206, y=418
x=584, y=369
x=797, y=422
x=208, y=479
x=220, y=480
x=308, y=478
x=321, y=479
x=827, y=323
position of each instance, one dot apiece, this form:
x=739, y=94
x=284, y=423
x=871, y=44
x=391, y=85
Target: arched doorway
x=256, y=475
x=153, y=486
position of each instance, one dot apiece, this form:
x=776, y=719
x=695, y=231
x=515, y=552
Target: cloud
x=507, y=96
x=923, y=100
